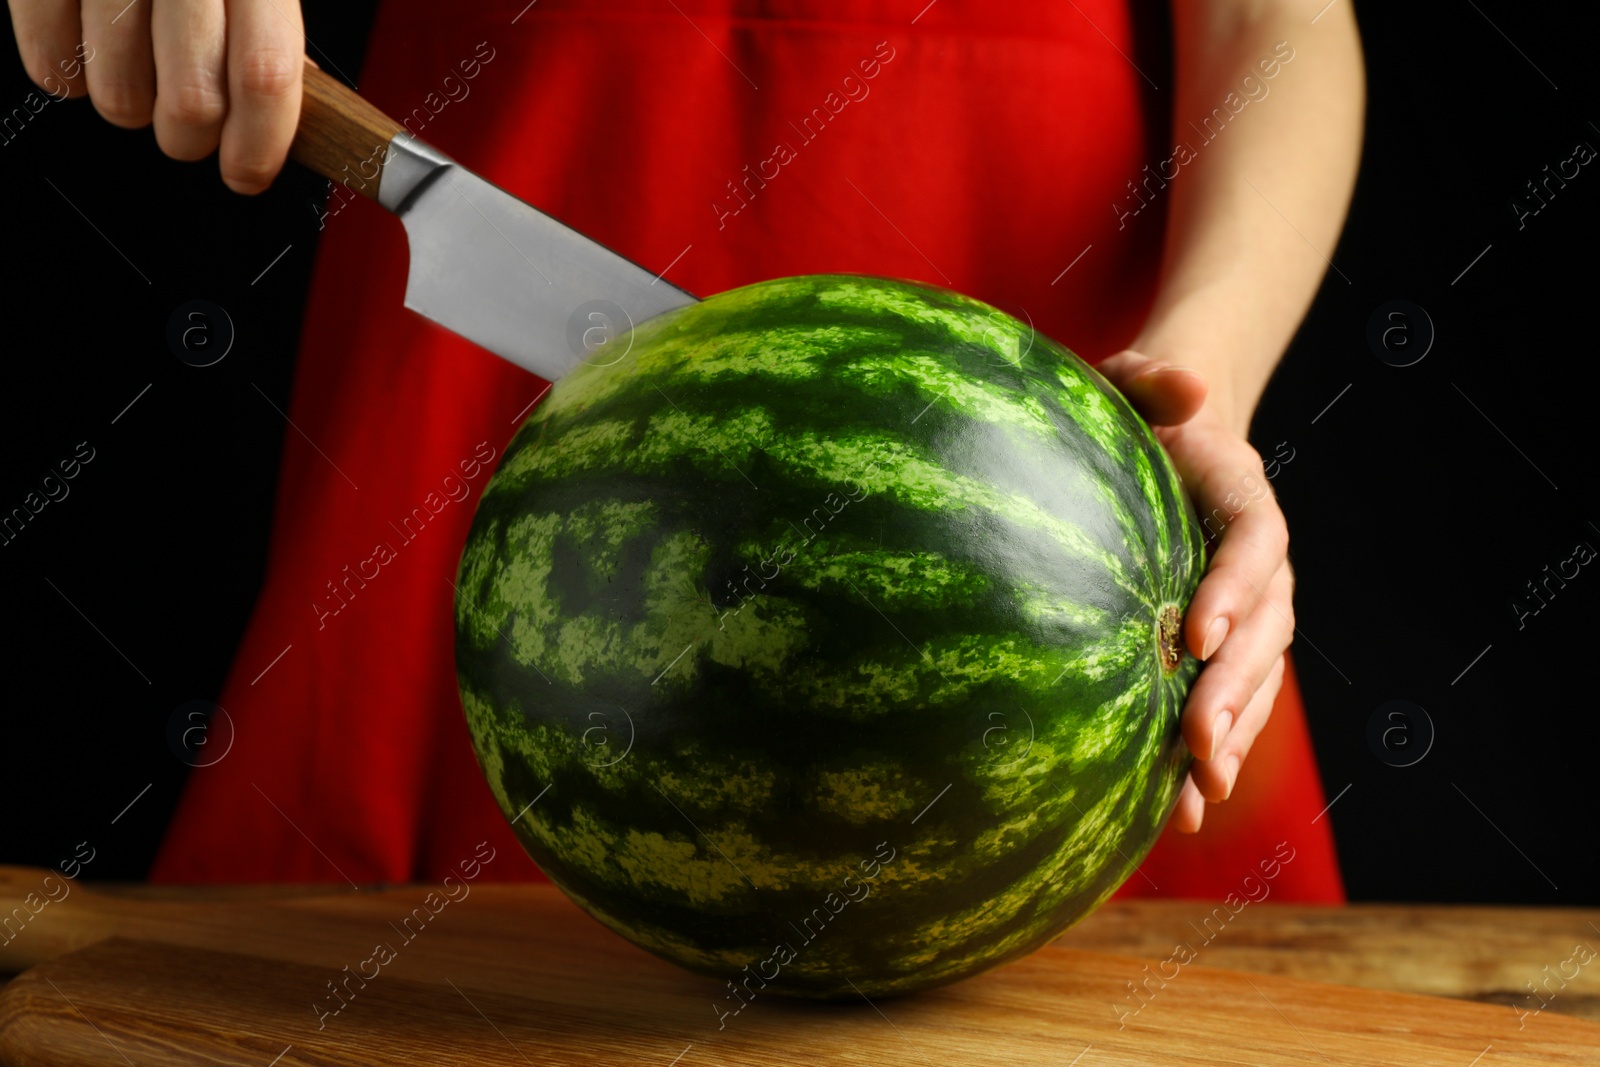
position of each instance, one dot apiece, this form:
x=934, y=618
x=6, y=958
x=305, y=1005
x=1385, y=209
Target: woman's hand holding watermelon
x=1242, y=617
x=1251, y=222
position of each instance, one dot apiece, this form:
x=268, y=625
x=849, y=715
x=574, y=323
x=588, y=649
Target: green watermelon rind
x=972, y=532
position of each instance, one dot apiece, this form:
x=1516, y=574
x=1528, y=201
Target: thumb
x=1163, y=393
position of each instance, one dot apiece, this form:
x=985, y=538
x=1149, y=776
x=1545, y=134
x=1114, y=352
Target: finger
x=1254, y=545
x=48, y=33
x=122, y=78
x=1191, y=809
x=1167, y=396
x=1216, y=778
x=265, y=49
x=1164, y=394
x=1239, y=668
x=188, y=41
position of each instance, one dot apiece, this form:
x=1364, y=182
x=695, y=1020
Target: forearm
x=1263, y=180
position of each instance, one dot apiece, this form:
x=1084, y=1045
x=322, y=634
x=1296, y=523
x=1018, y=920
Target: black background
x=1421, y=501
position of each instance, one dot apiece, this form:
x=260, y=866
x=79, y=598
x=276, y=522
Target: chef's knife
x=483, y=263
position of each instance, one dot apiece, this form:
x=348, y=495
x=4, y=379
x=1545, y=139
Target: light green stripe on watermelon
x=941, y=673
x=1022, y=788
x=1102, y=657
x=518, y=585
x=1094, y=412
x=878, y=791
x=871, y=792
x=1089, y=849
x=606, y=525
x=716, y=864
x=974, y=324
x=1147, y=481
x=1109, y=728
x=891, y=579
x=884, y=467
x=783, y=357
x=947, y=389
x=519, y=604
x=721, y=786
x=478, y=563
x=728, y=444
x=679, y=616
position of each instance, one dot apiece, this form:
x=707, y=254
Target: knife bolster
x=409, y=166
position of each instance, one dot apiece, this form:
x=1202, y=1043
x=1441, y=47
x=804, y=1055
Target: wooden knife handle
x=341, y=136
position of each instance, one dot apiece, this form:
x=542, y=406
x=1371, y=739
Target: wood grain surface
x=143, y=1004
x=516, y=974
x=1513, y=957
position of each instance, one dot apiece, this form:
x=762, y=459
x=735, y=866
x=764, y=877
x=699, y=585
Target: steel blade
x=507, y=276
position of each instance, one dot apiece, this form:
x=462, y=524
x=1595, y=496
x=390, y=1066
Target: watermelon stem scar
x=1169, y=637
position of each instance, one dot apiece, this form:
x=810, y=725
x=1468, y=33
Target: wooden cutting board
x=518, y=975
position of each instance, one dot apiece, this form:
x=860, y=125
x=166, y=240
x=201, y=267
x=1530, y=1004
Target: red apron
x=978, y=146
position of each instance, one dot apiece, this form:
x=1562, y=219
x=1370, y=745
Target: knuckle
x=267, y=73
x=1275, y=528
x=249, y=175
x=1266, y=694
x=122, y=103
x=194, y=102
x=1241, y=689
x=1229, y=586
x=1232, y=682
x=39, y=66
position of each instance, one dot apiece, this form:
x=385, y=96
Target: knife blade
x=483, y=263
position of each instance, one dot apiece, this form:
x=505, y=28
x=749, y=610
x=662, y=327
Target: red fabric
x=984, y=153
x=1272, y=832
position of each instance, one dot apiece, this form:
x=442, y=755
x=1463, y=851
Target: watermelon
x=824, y=637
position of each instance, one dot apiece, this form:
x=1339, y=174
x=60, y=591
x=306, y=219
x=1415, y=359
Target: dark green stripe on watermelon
x=752, y=598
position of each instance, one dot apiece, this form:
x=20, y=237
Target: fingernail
x=1215, y=633
x=1151, y=373
x=1231, y=765
x=1219, y=731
